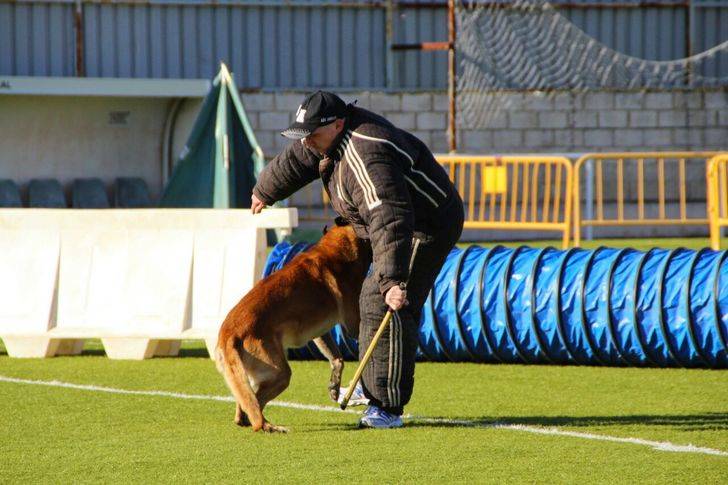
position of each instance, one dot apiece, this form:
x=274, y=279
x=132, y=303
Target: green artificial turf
x=52, y=434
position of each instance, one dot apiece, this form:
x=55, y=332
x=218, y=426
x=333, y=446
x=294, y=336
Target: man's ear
x=340, y=123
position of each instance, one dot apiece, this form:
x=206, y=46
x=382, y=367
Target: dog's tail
x=229, y=362
x=219, y=360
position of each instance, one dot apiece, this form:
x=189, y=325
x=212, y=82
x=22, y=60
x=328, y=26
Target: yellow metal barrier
x=613, y=166
x=717, y=197
x=510, y=192
x=514, y=192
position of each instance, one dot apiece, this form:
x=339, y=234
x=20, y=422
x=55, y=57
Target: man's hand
x=396, y=298
x=256, y=205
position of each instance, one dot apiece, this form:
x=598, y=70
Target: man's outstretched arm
x=292, y=169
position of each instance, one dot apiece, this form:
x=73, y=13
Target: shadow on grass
x=197, y=352
x=687, y=422
x=695, y=422
x=325, y=427
x=94, y=347
x=187, y=353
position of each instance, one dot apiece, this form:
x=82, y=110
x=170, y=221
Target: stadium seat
x=131, y=192
x=9, y=194
x=89, y=193
x=46, y=193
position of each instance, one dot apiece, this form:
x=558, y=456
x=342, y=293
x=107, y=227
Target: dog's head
x=339, y=221
x=342, y=241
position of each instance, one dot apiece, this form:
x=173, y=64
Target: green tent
x=221, y=161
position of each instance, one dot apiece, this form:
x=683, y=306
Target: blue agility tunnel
x=617, y=307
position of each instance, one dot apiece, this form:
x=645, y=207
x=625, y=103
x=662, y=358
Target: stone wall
x=567, y=123
x=534, y=122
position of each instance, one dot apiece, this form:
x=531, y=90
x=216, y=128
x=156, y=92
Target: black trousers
x=388, y=378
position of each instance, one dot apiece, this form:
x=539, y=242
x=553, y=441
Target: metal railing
x=548, y=193
x=509, y=192
x=627, y=204
x=514, y=192
x=717, y=197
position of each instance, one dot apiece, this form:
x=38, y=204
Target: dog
x=301, y=301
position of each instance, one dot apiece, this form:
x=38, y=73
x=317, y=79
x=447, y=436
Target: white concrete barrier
x=139, y=279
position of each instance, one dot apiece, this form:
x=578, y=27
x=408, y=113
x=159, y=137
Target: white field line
x=657, y=445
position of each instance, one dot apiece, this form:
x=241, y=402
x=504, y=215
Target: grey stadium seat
x=131, y=192
x=89, y=193
x=9, y=194
x=46, y=193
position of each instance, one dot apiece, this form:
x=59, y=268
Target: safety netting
x=506, y=45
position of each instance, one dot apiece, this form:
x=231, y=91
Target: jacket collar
x=337, y=145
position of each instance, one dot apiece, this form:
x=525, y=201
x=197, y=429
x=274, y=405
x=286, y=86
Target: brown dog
x=301, y=301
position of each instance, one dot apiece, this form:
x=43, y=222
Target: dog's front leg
x=328, y=347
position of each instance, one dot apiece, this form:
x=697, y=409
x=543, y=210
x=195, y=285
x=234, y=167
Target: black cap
x=318, y=109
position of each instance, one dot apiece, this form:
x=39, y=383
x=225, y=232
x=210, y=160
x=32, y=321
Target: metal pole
x=389, y=19
x=451, y=35
x=589, y=232
x=689, y=33
x=452, y=71
x=78, y=27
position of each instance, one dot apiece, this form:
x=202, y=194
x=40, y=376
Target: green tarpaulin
x=221, y=161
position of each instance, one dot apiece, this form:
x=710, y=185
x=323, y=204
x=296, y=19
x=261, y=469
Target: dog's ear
x=325, y=230
x=340, y=221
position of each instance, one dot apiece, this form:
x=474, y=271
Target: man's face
x=323, y=136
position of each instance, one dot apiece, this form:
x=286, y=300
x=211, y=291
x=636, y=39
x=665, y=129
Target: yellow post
x=567, y=203
x=712, y=182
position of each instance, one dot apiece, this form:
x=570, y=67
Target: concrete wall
x=132, y=277
x=70, y=137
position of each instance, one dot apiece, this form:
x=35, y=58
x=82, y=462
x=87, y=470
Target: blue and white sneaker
x=357, y=398
x=376, y=417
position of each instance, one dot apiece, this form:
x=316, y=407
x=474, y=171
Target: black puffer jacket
x=383, y=180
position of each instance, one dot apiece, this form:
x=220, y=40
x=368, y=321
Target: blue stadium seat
x=89, y=193
x=131, y=192
x=46, y=193
x=9, y=194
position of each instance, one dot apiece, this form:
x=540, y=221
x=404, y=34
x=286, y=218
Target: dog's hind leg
x=328, y=347
x=241, y=419
x=271, y=376
x=230, y=359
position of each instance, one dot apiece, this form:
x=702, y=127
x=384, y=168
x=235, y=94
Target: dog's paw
x=334, y=390
x=272, y=428
x=242, y=421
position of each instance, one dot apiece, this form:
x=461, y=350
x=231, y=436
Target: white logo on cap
x=300, y=114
